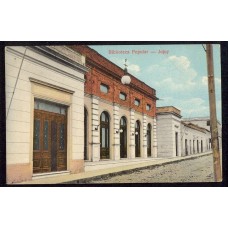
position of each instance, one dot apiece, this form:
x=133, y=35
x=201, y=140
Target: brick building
x=120, y=120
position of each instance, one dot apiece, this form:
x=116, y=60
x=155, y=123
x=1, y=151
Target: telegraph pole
x=213, y=117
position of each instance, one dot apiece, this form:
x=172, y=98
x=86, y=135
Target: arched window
x=137, y=138
x=85, y=134
x=123, y=137
x=148, y=134
x=104, y=136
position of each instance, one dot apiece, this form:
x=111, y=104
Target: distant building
x=204, y=122
x=177, y=137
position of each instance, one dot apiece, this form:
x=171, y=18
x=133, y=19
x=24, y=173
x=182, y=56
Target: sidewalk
x=85, y=176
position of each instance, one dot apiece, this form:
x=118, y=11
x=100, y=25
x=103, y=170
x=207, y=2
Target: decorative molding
x=117, y=77
x=116, y=104
x=95, y=97
x=52, y=54
x=36, y=81
x=88, y=95
x=47, y=65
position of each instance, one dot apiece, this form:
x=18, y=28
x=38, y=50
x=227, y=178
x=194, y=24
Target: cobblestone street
x=194, y=170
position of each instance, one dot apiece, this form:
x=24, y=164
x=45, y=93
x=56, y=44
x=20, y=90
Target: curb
x=131, y=170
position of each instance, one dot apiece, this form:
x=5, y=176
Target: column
x=144, y=136
x=154, y=140
x=95, y=129
x=116, y=126
x=132, y=136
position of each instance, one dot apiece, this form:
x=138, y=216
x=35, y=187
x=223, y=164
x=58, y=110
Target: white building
x=204, y=122
x=179, y=138
x=44, y=111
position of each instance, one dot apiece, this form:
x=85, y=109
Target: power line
x=204, y=48
x=16, y=82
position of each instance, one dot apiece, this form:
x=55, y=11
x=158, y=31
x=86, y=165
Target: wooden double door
x=49, y=142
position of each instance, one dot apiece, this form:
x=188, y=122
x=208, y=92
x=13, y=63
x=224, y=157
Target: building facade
x=204, y=122
x=67, y=112
x=66, y=107
x=120, y=120
x=44, y=111
x=177, y=137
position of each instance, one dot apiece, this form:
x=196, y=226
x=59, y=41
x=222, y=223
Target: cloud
x=175, y=72
x=204, y=80
x=192, y=107
x=132, y=68
x=216, y=80
x=181, y=62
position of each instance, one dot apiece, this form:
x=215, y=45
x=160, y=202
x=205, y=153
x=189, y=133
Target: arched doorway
x=137, y=138
x=85, y=134
x=123, y=137
x=148, y=131
x=104, y=136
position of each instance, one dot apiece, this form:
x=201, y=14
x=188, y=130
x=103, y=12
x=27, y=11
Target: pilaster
x=154, y=141
x=132, y=136
x=116, y=126
x=144, y=151
x=95, y=129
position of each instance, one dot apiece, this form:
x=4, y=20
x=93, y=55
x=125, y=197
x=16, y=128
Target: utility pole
x=213, y=117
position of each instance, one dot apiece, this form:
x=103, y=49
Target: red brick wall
x=104, y=71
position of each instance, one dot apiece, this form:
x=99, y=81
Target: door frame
x=139, y=138
x=86, y=134
x=149, y=129
x=107, y=127
x=124, y=128
x=69, y=124
x=57, y=119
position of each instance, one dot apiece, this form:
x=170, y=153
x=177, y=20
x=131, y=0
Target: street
x=194, y=170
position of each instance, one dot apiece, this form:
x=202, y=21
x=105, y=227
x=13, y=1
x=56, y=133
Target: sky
x=178, y=73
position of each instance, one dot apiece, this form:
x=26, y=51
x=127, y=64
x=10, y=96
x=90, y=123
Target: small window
x=208, y=123
x=50, y=106
x=137, y=102
x=104, y=88
x=148, y=107
x=123, y=96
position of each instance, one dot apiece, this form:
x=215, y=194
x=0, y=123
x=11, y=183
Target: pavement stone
x=88, y=176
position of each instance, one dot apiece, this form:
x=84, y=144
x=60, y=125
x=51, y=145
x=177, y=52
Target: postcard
x=113, y=114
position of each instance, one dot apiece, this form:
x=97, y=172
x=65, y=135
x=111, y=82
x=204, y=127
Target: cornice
x=118, y=78
x=15, y=52
x=36, y=81
x=52, y=54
